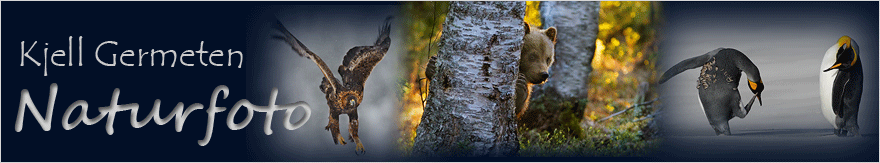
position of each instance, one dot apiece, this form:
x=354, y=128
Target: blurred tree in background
x=625, y=54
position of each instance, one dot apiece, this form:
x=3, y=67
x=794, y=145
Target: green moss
x=566, y=137
x=558, y=143
x=548, y=114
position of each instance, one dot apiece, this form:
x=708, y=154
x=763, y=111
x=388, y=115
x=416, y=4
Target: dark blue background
x=175, y=26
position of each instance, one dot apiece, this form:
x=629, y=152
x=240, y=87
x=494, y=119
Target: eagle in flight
x=344, y=97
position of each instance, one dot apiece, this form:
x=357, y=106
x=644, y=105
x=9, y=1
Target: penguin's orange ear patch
x=844, y=40
x=855, y=57
x=753, y=85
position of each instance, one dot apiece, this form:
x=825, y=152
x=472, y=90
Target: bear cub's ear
x=527, y=27
x=551, y=33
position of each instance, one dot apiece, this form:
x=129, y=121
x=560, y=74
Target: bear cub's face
x=537, y=54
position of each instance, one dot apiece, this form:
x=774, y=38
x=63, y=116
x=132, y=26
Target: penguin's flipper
x=687, y=64
x=837, y=95
x=846, y=98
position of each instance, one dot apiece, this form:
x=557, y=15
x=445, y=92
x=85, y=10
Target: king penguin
x=840, y=86
x=717, y=84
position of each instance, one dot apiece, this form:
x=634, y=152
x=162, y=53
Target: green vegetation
x=593, y=142
x=570, y=134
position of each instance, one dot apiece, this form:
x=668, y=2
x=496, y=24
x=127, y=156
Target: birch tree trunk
x=577, y=28
x=470, y=110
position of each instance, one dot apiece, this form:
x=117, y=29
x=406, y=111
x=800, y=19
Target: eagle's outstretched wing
x=301, y=49
x=360, y=60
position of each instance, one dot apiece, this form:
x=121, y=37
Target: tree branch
x=628, y=108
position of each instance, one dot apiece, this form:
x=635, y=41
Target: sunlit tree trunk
x=470, y=110
x=577, y=26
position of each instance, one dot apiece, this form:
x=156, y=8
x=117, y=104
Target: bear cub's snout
x=544, y=76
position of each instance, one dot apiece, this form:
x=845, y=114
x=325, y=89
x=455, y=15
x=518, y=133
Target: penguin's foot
x=722, y=133
x=840, y=132
x=855, y=134
x=721, y=129
x=854, y=131
x=847, y=132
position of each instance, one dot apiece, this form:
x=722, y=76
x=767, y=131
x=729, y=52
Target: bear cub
x=534, y=63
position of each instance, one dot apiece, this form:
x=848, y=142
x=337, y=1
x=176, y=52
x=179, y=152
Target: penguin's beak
x=832, y=67
x=757, y=88
x=759, y=99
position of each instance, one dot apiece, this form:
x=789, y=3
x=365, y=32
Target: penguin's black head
x=757, y=88
x=847, y=54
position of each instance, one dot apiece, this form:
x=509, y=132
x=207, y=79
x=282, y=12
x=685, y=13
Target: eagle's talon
x=340, y=139
x=359, y=150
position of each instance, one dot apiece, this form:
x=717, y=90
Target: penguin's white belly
x=826, y=86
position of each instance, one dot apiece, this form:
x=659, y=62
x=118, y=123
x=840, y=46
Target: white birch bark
x=470, y=110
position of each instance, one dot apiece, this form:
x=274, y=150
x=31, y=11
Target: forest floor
x=587, y=127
